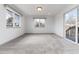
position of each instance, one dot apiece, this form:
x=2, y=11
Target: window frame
x=76, y=25
x=14, y=17
x=39, y=24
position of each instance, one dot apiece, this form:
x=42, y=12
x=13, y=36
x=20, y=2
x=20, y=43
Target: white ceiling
x=48, y=9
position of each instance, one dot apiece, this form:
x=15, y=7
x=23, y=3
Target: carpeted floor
x=38, y=44
x=33, y=44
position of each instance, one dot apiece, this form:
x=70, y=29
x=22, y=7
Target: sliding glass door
x=70, y=27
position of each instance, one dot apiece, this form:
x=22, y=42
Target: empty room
x=39, y=29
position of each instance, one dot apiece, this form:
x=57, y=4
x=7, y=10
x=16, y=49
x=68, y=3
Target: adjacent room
x=39, y=29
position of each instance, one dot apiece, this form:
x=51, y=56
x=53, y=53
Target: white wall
x=7, y=34
x=59, y=21
x=30, y=27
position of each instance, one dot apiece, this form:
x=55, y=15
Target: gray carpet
x=39, y=44
x=33, y=44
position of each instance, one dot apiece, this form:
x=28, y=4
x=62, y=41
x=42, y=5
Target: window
x=17, y=20
x=13, y=18
x=9, y=17
x=39, y=23
x=70, y=25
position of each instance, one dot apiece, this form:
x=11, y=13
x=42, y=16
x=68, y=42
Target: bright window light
x=39, y=22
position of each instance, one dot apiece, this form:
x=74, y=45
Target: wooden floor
x=39, y=44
